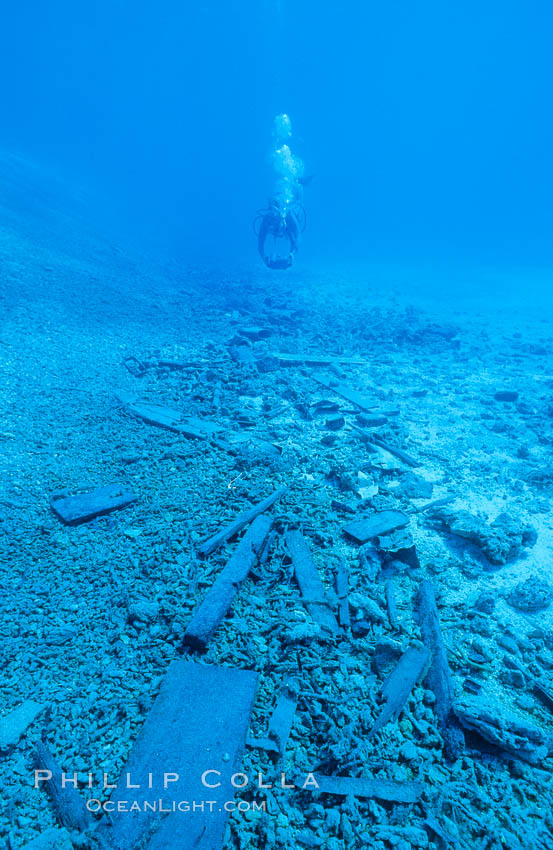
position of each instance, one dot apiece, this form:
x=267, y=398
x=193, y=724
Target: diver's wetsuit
x=283, y=225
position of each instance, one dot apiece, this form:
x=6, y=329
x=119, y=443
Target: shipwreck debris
x=398, y=545
x=342, y=589
x=374, y=420
x=198, y=722
x=313, y=359
x=379, y=789
x=399, y=684
x=396, y=452
x=174, y=420
x=341, y=506
x=281, y=721
x=218, y=600
x=14, y=724
x=435, y=503
x=69, y=806
x=438, y=678
x=391, y=604
x=324, y=406
x=135, y=366
x=358, y=399
x=540, y=689
x=310, y=583
x=86, y=506
x=255, y=333
x=335, y=423
x=212, y=543
x=280, y=724
x=382, y=523
x=506, y=395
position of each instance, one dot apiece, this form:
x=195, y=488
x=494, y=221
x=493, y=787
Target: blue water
x=428, y=126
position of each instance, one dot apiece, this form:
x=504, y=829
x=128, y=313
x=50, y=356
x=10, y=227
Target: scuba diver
x=278, y=236
x=279, y=226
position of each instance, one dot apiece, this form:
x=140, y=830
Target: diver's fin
x=305, y=181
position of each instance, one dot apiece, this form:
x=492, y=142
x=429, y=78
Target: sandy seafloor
x=73, y=308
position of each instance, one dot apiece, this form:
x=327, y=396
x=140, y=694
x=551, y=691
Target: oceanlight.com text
x=161, y=806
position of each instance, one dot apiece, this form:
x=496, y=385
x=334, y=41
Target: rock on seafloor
x=15, y=724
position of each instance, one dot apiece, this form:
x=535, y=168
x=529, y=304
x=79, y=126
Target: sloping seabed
x=359, y=401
